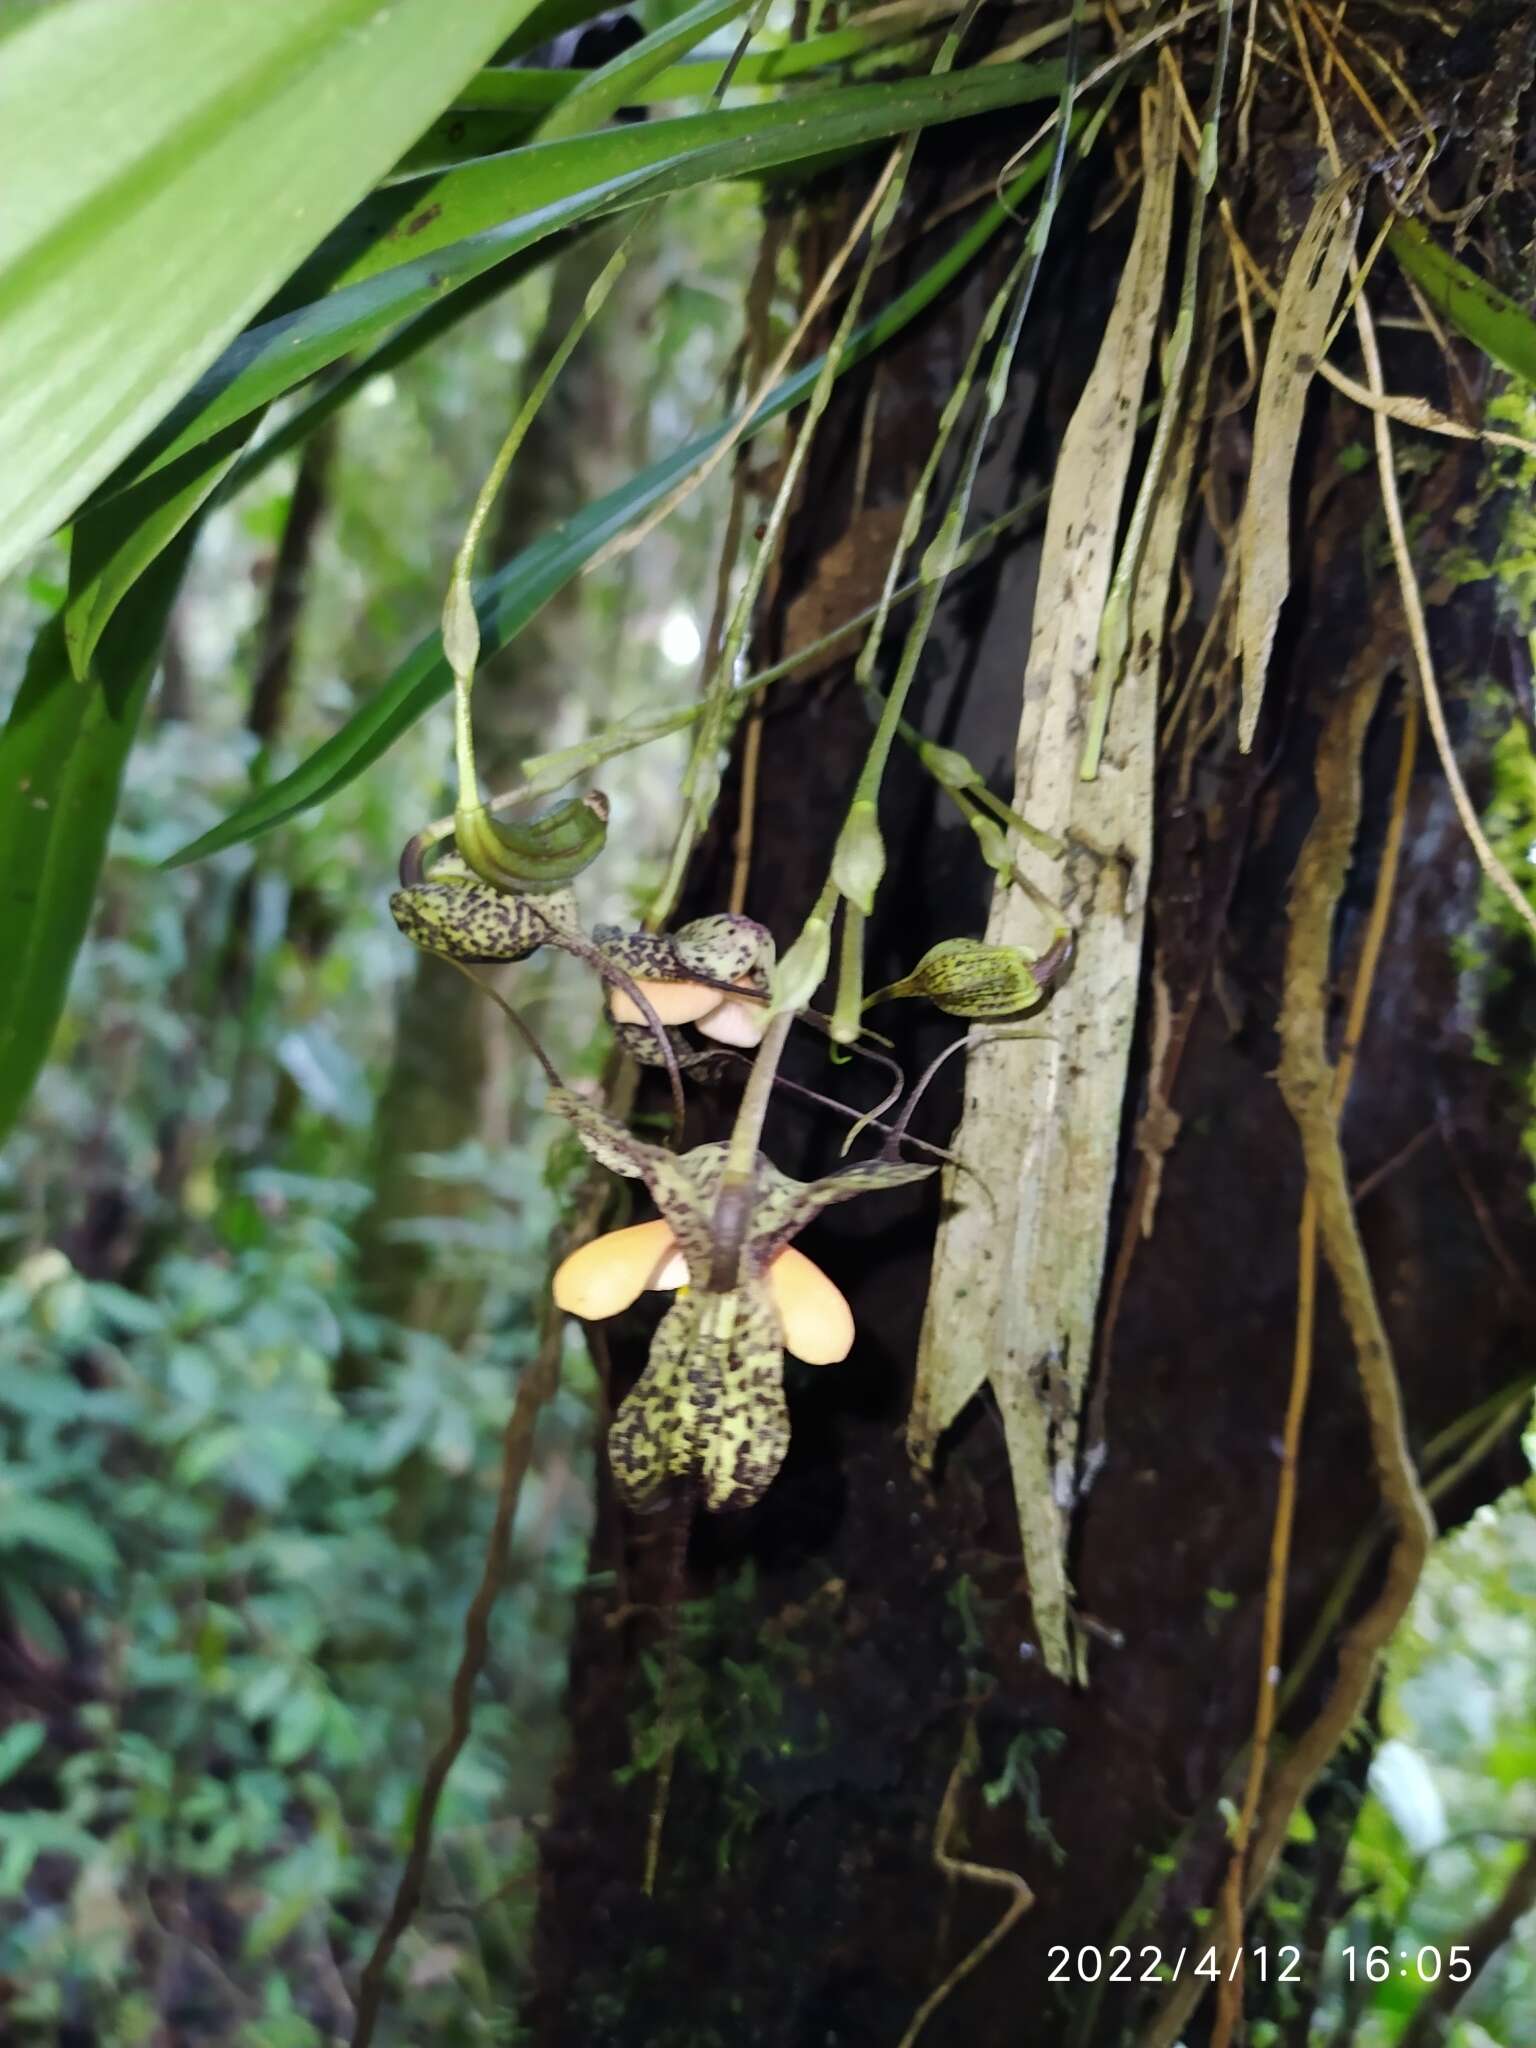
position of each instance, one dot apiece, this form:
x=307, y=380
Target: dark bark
x=840, y=1636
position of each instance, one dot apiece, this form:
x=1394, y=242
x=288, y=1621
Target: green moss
x=716, y=1699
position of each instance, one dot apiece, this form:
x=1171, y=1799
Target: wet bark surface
x=835, y=1642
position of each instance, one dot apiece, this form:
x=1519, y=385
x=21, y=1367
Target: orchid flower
x=692, y=975
x=709, y=1409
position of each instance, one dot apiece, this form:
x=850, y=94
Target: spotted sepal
x=639, y=1041
x=717, y=952
x=806, y=1199
x=464, y=920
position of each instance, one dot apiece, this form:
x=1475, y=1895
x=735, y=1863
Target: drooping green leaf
x=61, y=762
x=332, y=393
x=28, y=1522
x=165, y=164
x=461, y=224
x=500, y=109
x=507, y=196
x=111, y=547
x=1488, y=317
x=531, y=90
x=506, y=601
x=602, y=92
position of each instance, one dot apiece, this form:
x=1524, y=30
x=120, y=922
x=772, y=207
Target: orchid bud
x=947, y=765
x=801, y=971
x=969, y=978
x=858, y=859
x=461, y=629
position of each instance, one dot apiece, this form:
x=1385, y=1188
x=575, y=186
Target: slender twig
x=1230, y=1994
x=534, y=1390
x=1020, y=1899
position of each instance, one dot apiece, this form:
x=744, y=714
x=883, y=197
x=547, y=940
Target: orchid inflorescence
x=708, y=1414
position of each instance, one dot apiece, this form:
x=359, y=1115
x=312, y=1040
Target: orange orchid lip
x=607, y=1275
x=735, y=1023
x=813, y=1312
x=675, y=1002
x=600, y=1278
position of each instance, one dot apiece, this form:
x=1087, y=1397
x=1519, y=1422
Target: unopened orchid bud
x=858, y=859
x=969, y=978
x=461, y=629
x=803, y=968
x=993, y=843
x=947, y=765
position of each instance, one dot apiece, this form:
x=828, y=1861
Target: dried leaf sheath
x=1313, y=281
x=1014, y=1293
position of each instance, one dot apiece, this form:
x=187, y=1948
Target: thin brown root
x=535, y=1388
x=1308, y=1085
x=1021, y=1898
x=1230, y=1995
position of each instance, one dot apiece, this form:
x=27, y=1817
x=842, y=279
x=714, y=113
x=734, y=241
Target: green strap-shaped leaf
x=61, y=761
x=602, y=92
x=466, y=221
x=530, y=91
x=497, y=195
x=113, y=546
x=164, y=165
x=506, y=601
x=1488, y=317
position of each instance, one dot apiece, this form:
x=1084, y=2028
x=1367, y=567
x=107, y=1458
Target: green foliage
x=508, y=600
x=1503, y=330
x=718, y=1696
x=1453, y=1789
x=1501, y=550
x=272, y=1567
x=132, y=130
x=62, y=752
x=241, y=1513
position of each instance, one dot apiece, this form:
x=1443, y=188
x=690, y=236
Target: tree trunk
x=838, y=1643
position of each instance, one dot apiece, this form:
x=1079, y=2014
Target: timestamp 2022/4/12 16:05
x=1151, y=1964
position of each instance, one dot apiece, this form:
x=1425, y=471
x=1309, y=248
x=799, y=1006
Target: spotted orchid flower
x=712, y=974
x=709, y=1409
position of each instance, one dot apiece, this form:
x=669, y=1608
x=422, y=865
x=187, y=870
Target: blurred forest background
x=276, y=1220
x=272, y=1232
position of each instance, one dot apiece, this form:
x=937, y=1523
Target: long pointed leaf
x=507, y=601
x=502, y=109
x=61, y=763
x=165, y=164
x=489, y=211
x=531, y=91
x=602, y=92
x=110, y=548
x=1488, y=317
